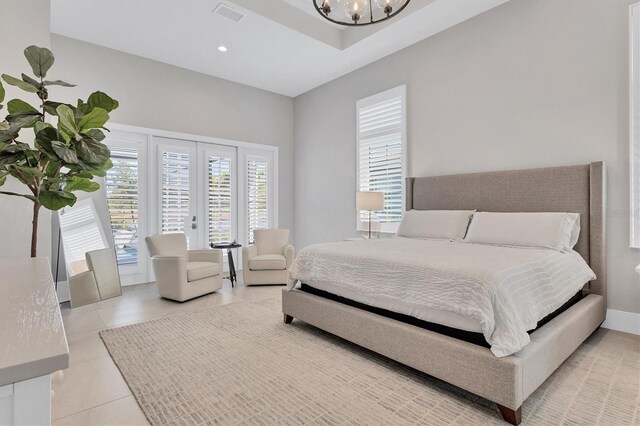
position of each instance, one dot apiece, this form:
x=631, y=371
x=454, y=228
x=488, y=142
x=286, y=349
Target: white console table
x=33, y=344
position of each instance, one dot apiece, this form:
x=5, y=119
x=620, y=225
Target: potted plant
x=60, y=159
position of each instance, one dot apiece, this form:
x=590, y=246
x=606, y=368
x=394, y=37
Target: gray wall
x=161, y=96
x=22, y=23
x=531, y=83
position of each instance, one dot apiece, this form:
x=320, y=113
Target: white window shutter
x=257, y=195
x=175, y=192
x=219, y=198
x=121, y=184
x=381, y=152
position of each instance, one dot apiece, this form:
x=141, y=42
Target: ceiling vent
x=228, y=12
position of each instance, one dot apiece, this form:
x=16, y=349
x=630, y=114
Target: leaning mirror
x=91, y=265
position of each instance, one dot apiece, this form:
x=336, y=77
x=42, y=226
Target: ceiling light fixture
x=359, y=12
x=222, y=48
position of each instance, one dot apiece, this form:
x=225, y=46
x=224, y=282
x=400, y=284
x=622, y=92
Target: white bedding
x=504, y=290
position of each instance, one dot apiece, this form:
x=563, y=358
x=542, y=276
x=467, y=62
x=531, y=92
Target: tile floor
x=92, y=390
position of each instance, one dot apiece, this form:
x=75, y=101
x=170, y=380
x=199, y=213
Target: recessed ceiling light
x=222, y=48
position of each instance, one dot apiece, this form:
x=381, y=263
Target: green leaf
x=2, y=92
x=40, y=125
x=16, y=147
x=95, y=134
x=3, y=178
x=53, y=168
x=7, y=136
x=58, y=83
x=24, y=174
x=29, y=197
x=20, y=120
x=75, y=183
x=16, y=106
x=50, y=107
x=19, y=83
x=7, y=159
x=30, y=80
x=65, y=153
x=40, y=59
x=101, y=170
x=66, y=120
x=95, y=119
x=44, y=139
x=92, y=152
x=55, y=200
x=102, y=100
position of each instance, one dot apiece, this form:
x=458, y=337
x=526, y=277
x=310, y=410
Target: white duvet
x=507, y=290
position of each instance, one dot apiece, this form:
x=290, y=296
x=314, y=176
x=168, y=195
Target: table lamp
x=369, y=201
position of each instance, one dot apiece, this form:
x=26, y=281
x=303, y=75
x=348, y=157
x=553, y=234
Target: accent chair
x=183, y=274
x=268, y=260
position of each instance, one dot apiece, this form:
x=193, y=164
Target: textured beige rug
x=239, y=364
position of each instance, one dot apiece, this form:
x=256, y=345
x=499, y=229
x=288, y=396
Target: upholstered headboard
x=576, y=189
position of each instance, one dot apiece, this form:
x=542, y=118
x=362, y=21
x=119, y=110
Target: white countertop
x=32, y=338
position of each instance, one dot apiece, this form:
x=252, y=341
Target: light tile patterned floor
x=92, y=390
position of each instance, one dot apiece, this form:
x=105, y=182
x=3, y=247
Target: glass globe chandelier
x=359, y=12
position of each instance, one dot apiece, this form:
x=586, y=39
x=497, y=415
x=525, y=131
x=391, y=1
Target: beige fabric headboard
x=576, y=189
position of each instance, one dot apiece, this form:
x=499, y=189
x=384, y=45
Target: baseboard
x=628, y=322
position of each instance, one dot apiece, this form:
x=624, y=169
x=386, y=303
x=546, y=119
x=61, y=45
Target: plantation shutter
x=175, y=192
x=121, y=185
x=219, y=195
x=380, y=154
x=257, y=195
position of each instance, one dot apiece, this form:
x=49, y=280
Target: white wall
x=531, y=83
x=161, y=96
x=22, y=23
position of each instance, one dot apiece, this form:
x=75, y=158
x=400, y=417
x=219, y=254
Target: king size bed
x=499, y=345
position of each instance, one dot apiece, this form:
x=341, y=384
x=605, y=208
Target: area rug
x=239, y=364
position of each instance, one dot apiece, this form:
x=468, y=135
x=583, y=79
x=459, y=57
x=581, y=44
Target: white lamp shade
x=369, y=200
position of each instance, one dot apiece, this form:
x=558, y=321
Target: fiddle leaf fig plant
x=57, y=160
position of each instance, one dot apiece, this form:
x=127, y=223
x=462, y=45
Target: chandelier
x=359, y=12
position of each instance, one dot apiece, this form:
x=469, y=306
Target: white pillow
x=441, y=224
x=558, y=231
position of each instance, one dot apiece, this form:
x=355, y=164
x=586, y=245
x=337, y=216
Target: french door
x=197, y=191
x=213, y=190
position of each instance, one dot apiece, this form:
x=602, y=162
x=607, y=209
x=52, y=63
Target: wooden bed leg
x=512, y=416
x=287, y=319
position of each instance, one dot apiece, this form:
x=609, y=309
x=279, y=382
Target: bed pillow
x=558, y=231
x=440, y=224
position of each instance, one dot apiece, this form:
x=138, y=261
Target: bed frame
x=507, y=381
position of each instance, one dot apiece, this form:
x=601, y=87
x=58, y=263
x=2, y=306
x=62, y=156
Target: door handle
x=194, y=224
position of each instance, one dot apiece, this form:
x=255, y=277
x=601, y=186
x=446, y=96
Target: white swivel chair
x=183, y=274
x=268, y=261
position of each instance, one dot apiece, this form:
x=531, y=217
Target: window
x=634, y=120
x=257, y=194
x=220, y=199
x=381, y=137
x=175, y=205
x=121, y=185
